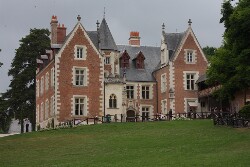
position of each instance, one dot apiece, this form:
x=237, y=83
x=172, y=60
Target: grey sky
x=123, y=16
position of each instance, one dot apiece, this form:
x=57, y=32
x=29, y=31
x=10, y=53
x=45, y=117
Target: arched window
x=124, y=60
x=112, y=101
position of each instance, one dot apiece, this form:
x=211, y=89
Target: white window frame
x=191, y=80
x=149, y=110
x=113, y=99
x=37, y=88
x=52, y=78
x=83, y=49
x=163, y=83
x=85, y=103
x=52, y=106
x=164, y=106
x=85, y=76
x=46, y=109
x=42, y=85
x=42, y=112
x=47, y=81
x=37, y=113
x=190, y=56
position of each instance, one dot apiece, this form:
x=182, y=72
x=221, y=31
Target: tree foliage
x=21, y=95
x=231, y=66
x=209, y=51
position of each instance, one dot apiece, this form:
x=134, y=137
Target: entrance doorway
x=130, y=116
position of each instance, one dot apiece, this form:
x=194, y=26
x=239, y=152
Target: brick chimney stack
x=53, y=25
x=61, y=34
x=134, y=39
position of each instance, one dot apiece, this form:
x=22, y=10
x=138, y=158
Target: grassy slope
x=175, y=143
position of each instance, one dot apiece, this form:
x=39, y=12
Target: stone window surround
x=85, y=109
x=131, y=90
x=163, y=83
x=194, y=56
x=196, y=76
x=85, y=81
x=84, y=52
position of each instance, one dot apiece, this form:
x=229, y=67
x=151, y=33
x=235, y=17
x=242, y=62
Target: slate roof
x=202, y=78
x=94, y=38
x=152, y=59
x=173, y=41
x=107, y=41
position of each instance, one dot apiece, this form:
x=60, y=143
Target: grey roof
x=173, y=40
x=107, y=41
x=152, y=59
x=202, y=78
x=94, y=37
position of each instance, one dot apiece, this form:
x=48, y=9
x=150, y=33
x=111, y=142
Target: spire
x=189, y=22
x=97, y=25
x=104, y=13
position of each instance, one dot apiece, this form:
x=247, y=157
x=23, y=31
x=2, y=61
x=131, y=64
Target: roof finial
x=104, y=12
x=163, y=27
x=189, y=22
x=79, y=18
x=97, y=24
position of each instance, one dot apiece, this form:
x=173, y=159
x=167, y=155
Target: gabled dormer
x=139, y=61
x=124, y=60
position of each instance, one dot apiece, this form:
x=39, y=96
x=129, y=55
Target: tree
x=21, y=95
x=231, y=65
x=209, y=51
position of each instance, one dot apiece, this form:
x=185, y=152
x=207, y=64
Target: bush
x=245, y=111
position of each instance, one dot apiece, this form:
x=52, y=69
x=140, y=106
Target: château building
x=86, y=74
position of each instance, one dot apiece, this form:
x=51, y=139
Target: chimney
x=134, y=39
x=53, y=25
x=61, y=34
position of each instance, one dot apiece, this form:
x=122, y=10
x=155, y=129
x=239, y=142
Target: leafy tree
x=5, y=116
x=21, y=95
x=231, y=65
x=209, y=51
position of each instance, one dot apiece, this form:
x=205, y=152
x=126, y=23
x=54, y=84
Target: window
x=130, y=92
x=124, y=60
x=190, y=57
x=107, y=60
x=37, y=88
x=140, y=60
x=79, y=77
x=145, y=92
x=52, y=77
x=37, y=113
x=42, y=85
x=190, y=81
x=80, y=52
x=47, y=81
x=145, y=112
x=163, y=83
x=41, y=112
x=46, y=109
x=112, y=101
x=79, y=106
x=52, y=106
x=164, y=107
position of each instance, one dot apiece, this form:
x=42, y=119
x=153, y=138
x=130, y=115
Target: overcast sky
x=146, y=16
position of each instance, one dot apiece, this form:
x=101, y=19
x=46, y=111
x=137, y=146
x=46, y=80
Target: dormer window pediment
x=124, y=60
x=139, y=60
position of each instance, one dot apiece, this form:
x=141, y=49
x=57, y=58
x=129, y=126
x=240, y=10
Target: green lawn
x=176, y=143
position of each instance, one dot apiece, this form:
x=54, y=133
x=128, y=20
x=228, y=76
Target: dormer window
x=124, y=60
x=139, y=61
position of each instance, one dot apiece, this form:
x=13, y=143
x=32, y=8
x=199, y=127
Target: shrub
x=245, y=111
